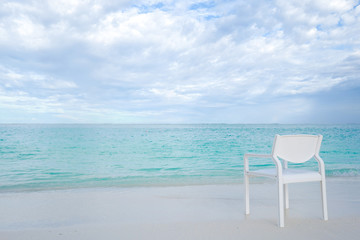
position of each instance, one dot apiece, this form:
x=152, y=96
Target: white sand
x=188, y=212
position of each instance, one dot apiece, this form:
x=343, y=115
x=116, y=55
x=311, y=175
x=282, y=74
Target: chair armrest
x=273, y=158
x=248, y=155
x=257, y=155
x=321, y=164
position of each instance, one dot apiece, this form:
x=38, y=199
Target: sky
x=188, y=61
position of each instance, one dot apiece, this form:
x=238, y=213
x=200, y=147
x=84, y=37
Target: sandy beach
x=181, y=212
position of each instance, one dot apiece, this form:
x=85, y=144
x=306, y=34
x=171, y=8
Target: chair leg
x=247, y=197
x=281, y=203
x=324, y=199
x=286, y=194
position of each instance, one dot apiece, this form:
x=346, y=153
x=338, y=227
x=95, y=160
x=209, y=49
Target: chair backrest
x=296, y=148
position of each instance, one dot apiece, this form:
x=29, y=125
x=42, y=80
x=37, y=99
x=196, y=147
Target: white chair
x=295, y=149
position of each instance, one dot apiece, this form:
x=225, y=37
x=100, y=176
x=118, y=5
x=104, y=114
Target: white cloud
x=13, y=79
x=339, y=6
x=67, y=7
x=149, y=60
x=27, y=34
x=313, y=84
x=178, y=95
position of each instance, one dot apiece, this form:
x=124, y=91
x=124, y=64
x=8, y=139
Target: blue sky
x=92, y=61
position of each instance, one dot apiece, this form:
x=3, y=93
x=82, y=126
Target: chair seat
x=290, y=175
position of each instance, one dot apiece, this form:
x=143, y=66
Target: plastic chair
x=295, y=149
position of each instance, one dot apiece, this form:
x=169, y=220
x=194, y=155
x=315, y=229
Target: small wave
x=149, y=169
x=173, y=169
x=345, y=172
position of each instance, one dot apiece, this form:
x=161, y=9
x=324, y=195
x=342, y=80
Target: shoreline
x=181, y=212
x=254, y=180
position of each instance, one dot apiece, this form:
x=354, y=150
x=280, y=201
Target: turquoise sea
x=37, y=157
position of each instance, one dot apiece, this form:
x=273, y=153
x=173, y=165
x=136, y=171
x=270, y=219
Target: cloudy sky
x=188, y=61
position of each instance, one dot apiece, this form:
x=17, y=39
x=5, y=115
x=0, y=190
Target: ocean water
x=38, y=157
